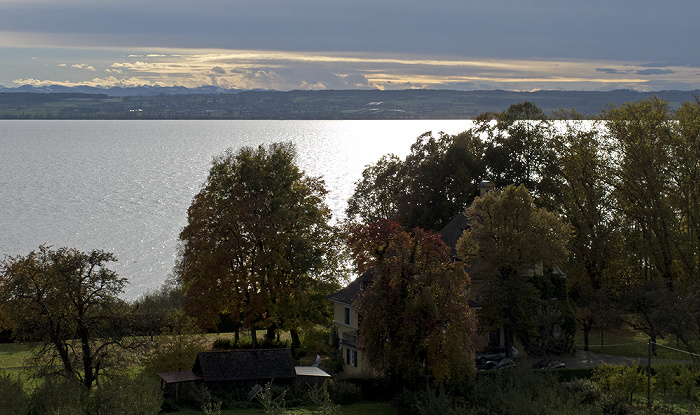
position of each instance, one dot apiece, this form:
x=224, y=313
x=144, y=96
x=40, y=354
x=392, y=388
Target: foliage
x=176, y=348
x=415, y=318
x=68, y=301
x=626, y=380
x=344, y=392
x=124, y=395
x=157, y=310
x=321, y=398
x=428, y=188
x=520, y=153
x=59, y=395
x=272, y=402
x=514, y=242
x=13, y=398
x=258, y=245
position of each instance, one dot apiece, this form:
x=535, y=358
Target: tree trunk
x=296, y=342
x=270, y=336
x=586, y=332
x=254, y=337
x=508, y=340
x=236, y=335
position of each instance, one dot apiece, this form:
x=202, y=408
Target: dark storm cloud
x=611, y=71
x=627, y=29
x=654, y=72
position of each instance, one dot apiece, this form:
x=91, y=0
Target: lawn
x=364, y=408
x=13, y=354
x=626, y=342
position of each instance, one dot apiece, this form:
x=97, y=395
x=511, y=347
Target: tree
x=520, y=152
x=586, y=201
x=415, y=317
x=428, y=188
x=68, y=301
x=377, y=193
x=640, y=135
x=514, y=242
x=685, y=156
x=258, y=245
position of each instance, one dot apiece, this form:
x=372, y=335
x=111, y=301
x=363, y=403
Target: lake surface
x=125, y=186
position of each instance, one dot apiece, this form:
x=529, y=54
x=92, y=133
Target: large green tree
x=415, y=316
x=436, y=180
x=258, y=246
x=520, y=150
x=585, y=200
x=515, y=243
x=67, y=300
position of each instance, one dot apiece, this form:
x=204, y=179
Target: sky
x=353, y=44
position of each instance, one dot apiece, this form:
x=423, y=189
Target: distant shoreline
x=309, y=105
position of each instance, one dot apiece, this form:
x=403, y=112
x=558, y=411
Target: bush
x=13, y=398
x=344, y=392
x=58, y=395
x=581, y=391
x=626, y=380
x=316, y=340
x=123, y=395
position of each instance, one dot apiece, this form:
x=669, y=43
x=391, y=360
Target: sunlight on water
x=125, y=186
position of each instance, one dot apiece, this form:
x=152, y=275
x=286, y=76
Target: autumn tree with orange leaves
x=258, y=246
x=415, y=318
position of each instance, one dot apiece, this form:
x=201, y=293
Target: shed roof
x=254, y=364
x=311, y=371
x=178, y=377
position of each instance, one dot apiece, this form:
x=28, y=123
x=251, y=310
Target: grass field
x=626, y=342
x=13, y=355
x=364, y=408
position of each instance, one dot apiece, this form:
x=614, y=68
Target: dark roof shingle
x=254, y=364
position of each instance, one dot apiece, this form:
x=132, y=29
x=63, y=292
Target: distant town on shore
x=58, y=102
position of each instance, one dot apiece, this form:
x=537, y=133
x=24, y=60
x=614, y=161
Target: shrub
x=580, y=391
x=59, y=395
x=13, y=398
x=316, y=340
x=222, y=344
x=344, y=392
x=627, y=380
x=123, y=395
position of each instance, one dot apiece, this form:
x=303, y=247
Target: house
x=346, y=318
x=346, y=322
x=241, y=368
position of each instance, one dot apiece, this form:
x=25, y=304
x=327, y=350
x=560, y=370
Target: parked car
x=494, y=354
x=548, y=364
x=506, y=363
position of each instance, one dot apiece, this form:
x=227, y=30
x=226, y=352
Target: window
x=347, y=315
x=351, y=357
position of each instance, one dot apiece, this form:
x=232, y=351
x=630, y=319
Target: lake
x=125, y=186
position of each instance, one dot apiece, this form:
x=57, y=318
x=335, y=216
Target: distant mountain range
x=210, y=102
x=141, y=91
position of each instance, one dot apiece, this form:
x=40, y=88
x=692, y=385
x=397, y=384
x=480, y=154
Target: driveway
x=588, y=359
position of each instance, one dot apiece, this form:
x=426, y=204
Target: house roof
x=453, y=231
x=353, y=291
x=254, y=364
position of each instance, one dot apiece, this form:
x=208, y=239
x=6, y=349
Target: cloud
x=654, y=72
x=84, y=66
x=611, y=71
x=285, y=70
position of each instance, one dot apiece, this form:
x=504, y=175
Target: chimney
x=486, y=186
